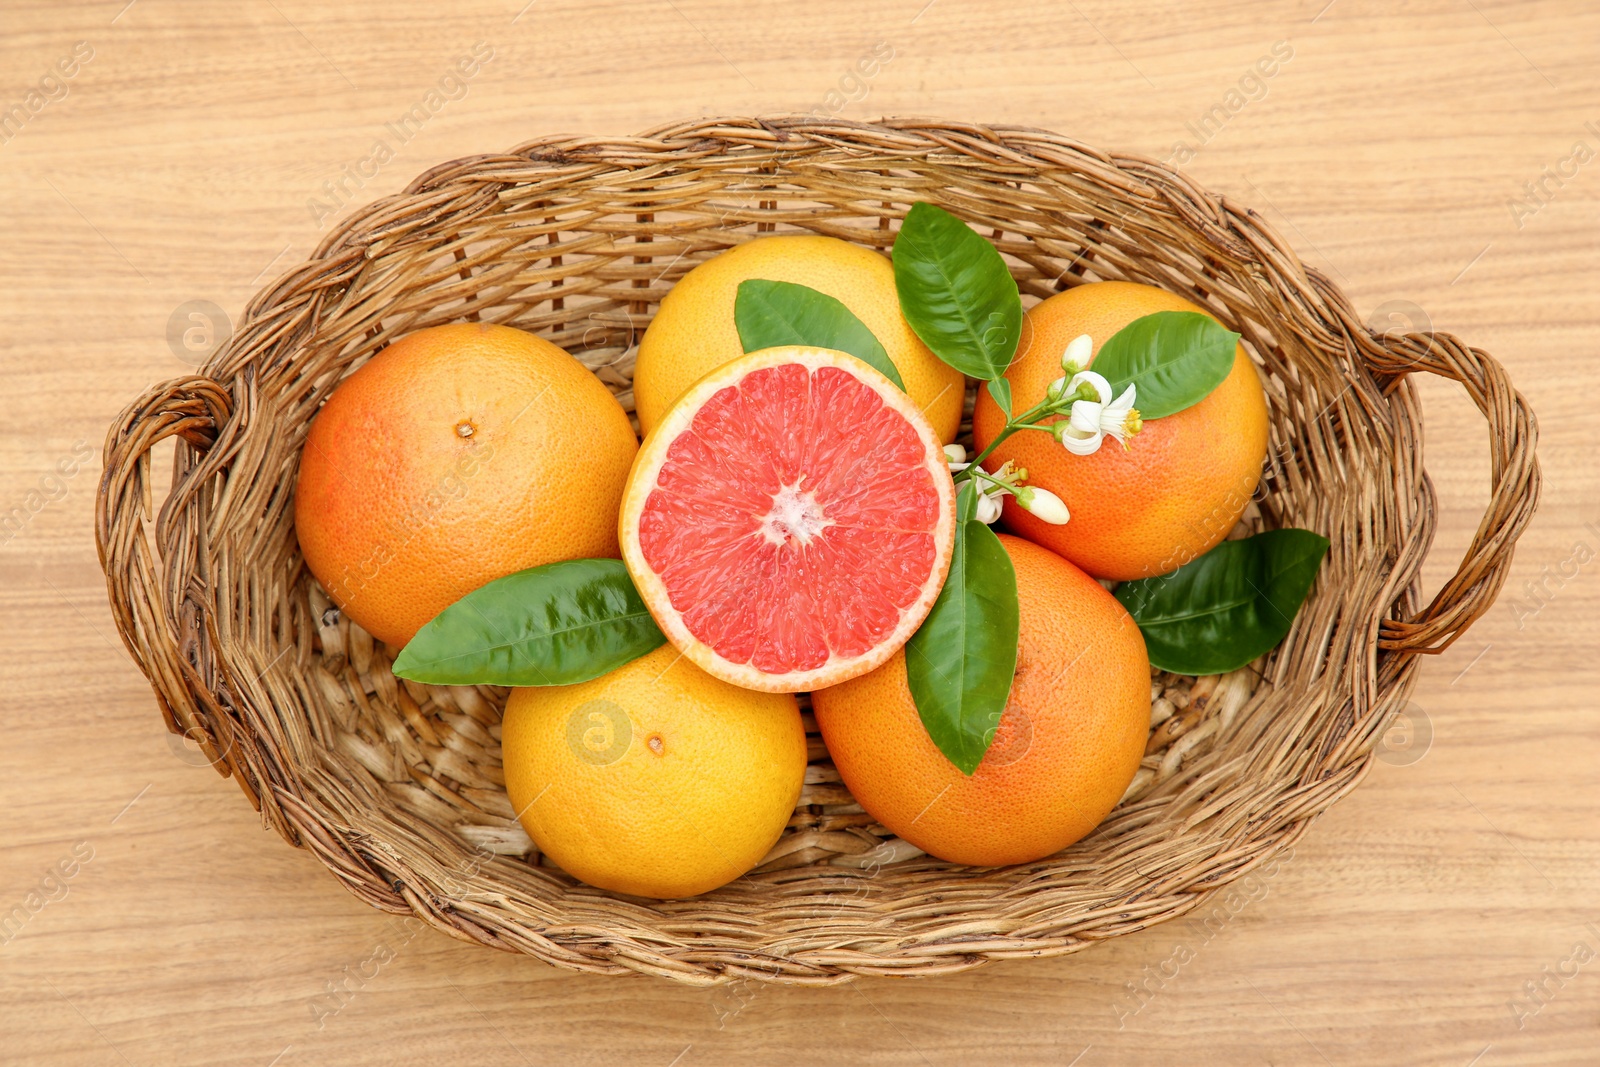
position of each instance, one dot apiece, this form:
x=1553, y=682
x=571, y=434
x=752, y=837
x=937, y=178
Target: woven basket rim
x=169, y=582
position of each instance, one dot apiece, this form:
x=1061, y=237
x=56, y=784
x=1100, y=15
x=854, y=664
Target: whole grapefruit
x=655, y=779
x=694, y=333
x=457, y=455
x=1179, y=486
x=1067, y=746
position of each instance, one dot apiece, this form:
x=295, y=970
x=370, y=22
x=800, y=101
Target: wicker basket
x=396, y=787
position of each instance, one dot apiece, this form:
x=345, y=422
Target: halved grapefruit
x=789, y=521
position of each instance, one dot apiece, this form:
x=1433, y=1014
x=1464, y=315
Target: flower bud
x=1054, y=390
x=1043, y=503
x=1076, y=357
x=955, y=454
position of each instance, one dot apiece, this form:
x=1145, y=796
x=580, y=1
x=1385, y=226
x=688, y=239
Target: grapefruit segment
x=790, y=521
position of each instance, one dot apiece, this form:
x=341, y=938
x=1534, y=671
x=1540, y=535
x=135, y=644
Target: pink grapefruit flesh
x=789, y=523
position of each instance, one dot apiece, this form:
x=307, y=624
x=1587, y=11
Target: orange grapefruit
x=1183, y=480
x=694, y=333
x=1068, y=743
x=655, y=779
x=789, y=522
x=457, y=455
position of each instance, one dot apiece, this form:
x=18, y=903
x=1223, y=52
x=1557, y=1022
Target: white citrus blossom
x=956, y=456
x=988, y=509
x=1043, y=503
x=1102, y=388
x=1091, y=421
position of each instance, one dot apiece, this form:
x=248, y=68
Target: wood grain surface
x=1439, y=158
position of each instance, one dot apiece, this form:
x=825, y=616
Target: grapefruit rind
x=642, y=481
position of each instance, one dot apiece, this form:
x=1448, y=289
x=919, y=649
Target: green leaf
x=1174, y=357
x=960, y=662
x=1219, y=612
x=1000, y=389
x=956, y=292
x=552, y=625
x=770, y=313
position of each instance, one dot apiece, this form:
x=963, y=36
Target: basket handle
x=1514, y=482
x=192, y=408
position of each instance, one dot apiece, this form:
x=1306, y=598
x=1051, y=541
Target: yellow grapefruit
x=656, y=779
x=694, y=333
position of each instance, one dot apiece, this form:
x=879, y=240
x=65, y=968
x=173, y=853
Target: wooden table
x=198, y=149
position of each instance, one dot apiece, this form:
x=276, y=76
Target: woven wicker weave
x=396, y=787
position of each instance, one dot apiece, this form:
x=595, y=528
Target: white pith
x=795, y=516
